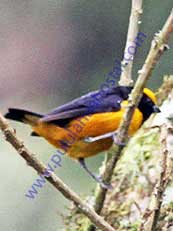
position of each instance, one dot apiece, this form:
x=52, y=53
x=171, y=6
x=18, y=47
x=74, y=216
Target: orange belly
x=87, y=126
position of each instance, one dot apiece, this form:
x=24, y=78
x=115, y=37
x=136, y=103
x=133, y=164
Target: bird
x=86, y=126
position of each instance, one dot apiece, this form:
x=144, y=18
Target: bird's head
x=148, y=103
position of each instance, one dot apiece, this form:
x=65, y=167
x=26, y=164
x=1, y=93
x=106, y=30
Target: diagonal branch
x=158, y=46
x=133, y=29
x=52, y=178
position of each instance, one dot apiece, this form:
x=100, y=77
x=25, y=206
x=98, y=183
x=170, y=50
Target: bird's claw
x=106, y=186
x=113, y=135
x=123, y=144
x=117, y=142
x=99, y=180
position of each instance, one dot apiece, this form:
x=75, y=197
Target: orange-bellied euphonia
x=80, y=126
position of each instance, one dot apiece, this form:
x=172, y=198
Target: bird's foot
x=96, y=138
x=112, y=135
x=99, y=180
x=106, y=186
x=118, y=142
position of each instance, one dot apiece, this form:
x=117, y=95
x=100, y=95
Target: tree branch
x=162, y=182
x=158, y=46
x=52, y=178
x=133, y=29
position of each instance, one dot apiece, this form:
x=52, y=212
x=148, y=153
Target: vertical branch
x=134, y=21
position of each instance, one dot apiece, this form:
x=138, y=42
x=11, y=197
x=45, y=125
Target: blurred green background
x=51, y=52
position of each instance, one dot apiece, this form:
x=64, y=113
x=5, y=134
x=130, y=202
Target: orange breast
x=87, y=126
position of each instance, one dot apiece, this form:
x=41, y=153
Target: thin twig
x=133, y=29
x=158, y=46
x=52, y=178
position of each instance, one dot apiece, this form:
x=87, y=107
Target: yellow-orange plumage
x=88, y=126
x=78, y=128
x=85, y=127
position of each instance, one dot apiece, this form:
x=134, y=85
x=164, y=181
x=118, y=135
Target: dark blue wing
x=93, y=102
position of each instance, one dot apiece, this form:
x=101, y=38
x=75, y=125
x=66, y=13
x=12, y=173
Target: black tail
x=22, y=115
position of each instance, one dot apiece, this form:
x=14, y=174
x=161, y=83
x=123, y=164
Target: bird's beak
x=156, y=109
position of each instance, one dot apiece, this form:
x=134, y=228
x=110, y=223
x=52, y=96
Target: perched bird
x=85, y=126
